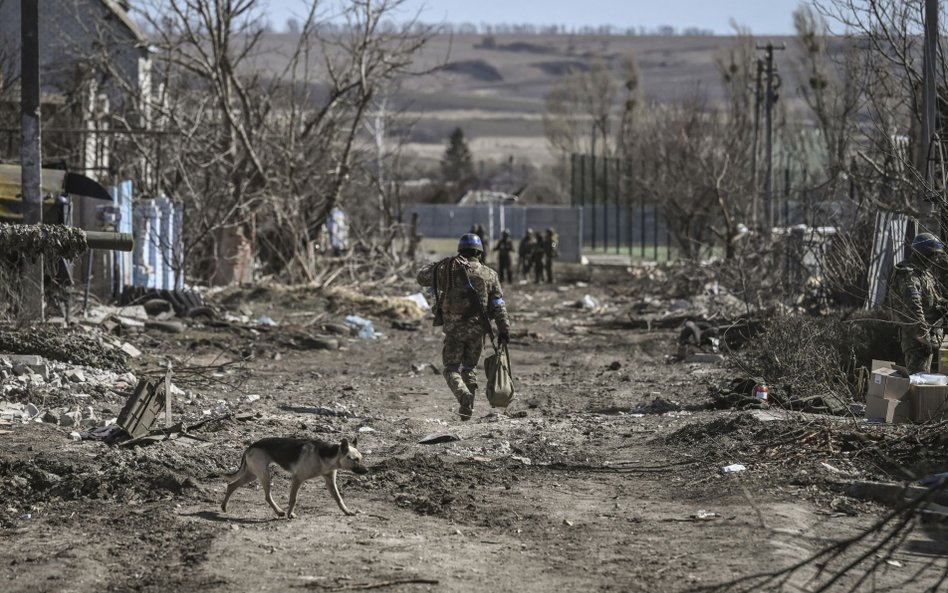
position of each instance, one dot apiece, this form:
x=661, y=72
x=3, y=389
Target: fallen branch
x=378, y=585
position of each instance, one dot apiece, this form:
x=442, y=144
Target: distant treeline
x=293, y=26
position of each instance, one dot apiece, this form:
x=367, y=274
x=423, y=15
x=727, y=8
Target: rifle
x=484, y=317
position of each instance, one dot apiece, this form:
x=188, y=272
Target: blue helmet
x=470, y=241
x=927, y=244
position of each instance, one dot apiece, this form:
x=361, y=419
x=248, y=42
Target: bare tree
x=266, y=152
x=582, y=107
x=831, y=84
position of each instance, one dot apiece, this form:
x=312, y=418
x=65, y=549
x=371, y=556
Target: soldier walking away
x=525, y=252
x=478, y=230
x=551, y=251
x=464, y=288
x=536, y=258
x=916, y=304
x=504, y=249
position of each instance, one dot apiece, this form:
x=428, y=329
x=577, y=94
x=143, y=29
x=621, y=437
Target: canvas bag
x=500, y=388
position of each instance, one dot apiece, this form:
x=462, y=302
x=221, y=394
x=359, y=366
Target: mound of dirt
x=430, y=485
x=476, y=69
x=65, y=345
x=737, y=427
x=561, y=67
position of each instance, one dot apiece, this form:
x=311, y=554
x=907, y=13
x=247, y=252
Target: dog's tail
x=240, y=470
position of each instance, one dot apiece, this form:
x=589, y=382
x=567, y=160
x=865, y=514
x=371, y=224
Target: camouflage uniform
x=525, y=250
x=551, y=250
x=916, y=306
x=478, y=230
x=536, y=258
x=464, y=326
x=504, y=249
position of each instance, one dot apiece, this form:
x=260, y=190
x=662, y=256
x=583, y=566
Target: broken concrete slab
x=27, y=359
x=75, y=375
x=130, y=350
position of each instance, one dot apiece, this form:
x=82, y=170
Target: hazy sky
x=764, y=17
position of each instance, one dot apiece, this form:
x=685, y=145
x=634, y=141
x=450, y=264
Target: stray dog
x=304, y=459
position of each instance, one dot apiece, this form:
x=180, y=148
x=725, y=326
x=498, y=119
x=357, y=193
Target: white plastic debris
x=266, y=320
x=733, y=468
x=590, y=302
x=75, y=436
x=928, y=379
x=364, y=328
x=366, y=429
x=420, y=300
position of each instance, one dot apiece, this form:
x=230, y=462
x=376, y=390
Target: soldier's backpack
x=500, y=388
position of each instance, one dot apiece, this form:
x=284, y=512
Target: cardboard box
x=929, y=402
x=888, y=380
x=941, y=363
x=892, y=411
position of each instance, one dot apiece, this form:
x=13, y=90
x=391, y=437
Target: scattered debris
x=439, y=437
x=362, y=327
x=143, y=408
x=733, y=468
x=703, y=515
x=422, y=367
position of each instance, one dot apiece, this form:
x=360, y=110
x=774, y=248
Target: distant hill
x=494, y=87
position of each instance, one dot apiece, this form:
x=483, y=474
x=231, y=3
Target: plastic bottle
x=761, y=392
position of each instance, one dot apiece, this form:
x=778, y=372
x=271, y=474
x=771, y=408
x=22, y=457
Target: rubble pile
x=76, y=345
x=52, y=241
x=72, y=396
x=347, y=300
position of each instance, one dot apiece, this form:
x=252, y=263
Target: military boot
x=470, y=380
x=461, y=393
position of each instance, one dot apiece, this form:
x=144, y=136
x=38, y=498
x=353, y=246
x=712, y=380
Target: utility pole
x=593, y=175
x=758, y=99
x=32, y=308
x=770, y=98
x=925, y=165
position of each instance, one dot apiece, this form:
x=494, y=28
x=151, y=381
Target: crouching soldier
x=916, y=305
x=465, y=292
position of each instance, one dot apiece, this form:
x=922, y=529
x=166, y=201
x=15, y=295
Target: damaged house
x=97, y=100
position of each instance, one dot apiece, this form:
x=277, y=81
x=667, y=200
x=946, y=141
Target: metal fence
x=451, y=221
x=619, y=216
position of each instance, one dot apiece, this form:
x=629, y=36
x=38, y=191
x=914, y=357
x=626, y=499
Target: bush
x=809, y=355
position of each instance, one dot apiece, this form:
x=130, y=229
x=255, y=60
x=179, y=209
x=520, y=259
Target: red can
x=761, y=392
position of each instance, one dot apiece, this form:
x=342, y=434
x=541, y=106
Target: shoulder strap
x=484, y=317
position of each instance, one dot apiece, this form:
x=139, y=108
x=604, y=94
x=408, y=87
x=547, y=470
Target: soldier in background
x=478, y=230
x=525, y=252
x=551, y=251
x=536, y=258
x=916, y=304
x=464, y=289
x=504, y=249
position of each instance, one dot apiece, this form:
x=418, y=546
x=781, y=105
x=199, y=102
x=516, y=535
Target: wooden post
x=168, y=397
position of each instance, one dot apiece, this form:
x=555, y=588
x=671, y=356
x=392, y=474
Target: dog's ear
x=355, y=442
x=344, y=446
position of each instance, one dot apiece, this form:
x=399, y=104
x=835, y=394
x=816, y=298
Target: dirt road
x=605, y=476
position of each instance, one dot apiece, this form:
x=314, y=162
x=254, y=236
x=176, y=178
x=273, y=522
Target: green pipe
x=110, y=241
